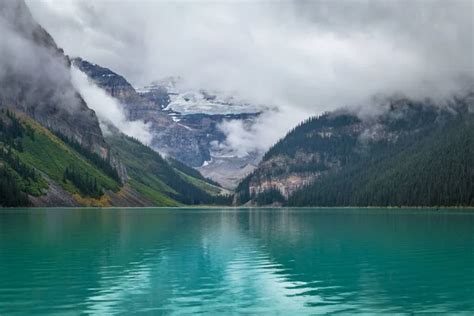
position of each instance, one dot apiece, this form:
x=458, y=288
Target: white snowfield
x=189, y=101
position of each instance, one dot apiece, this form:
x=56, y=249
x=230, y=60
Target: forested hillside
x=32, y=158
x=39, y=167
x=435, y=171
x=415, y=153
x=156, y=179
x=52, y=150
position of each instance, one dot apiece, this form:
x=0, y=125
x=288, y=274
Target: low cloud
x=32, y=70
x=108, y=109
x=305, y=57
x=244, y=137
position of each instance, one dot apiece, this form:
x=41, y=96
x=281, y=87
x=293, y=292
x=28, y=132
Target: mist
x=32, y=71
x=304, y=57
x=108, y=110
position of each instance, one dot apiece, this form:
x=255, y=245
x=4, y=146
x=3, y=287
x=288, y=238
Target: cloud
x=32, y=70
x=245, y=137
x=305, y=57
x=108, y=110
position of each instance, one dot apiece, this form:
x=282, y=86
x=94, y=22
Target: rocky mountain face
x=185, y=124
x=52, y=150
x=327, y=156
x=202, y=112
x=35, y=79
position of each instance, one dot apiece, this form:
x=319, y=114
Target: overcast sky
x=303, y=56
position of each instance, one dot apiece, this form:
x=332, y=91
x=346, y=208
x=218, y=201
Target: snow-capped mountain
x=185, y=124
x=173, y=96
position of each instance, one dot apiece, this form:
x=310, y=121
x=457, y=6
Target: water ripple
x=278, y=261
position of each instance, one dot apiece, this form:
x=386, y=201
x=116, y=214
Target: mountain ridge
x=52, y=149
x=190, y=137
x=338, y=148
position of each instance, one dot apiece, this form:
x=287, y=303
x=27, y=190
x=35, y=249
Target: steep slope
x=185, y=124
x=169, y=137
x=395, y=158
x=35, y=78
x=41, y=168
x=434, y=171
x=50, y=170
x=160, y=182
x=52, y=151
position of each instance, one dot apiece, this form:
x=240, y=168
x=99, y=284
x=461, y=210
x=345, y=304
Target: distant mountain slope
x=188, y=144
x=185, y=101
x=157, y=180
x=414, y=154
x=52, y=151
x=39, y=167
x=184, y=124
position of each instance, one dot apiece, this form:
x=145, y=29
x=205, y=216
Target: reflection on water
x=254, y=261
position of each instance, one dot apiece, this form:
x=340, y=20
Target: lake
x=256, y=261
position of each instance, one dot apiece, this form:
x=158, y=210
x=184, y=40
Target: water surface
x=292, y=261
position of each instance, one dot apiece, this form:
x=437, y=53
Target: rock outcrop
x=35, y=78
x=342, y=141
x=191, y=134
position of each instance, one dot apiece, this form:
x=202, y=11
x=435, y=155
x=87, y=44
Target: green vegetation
x=27, y=179
x=304, y=137
x=17, y=178
x=29, y=154
x=416, y=154
x=178, y=165
x=101, y=163
x=270, y=196
x=86, y=184
x=194, y=177
x=202, y=184
x=50, y=155
x=434, y=171
x=153, y=177
x=11, y=193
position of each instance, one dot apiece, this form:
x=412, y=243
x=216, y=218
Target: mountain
x=35, y=78
x=185, y=124
x=52, y=150
x=415, y=153
x=185, y=101
x=162, y=182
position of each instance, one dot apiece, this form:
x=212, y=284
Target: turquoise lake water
x=221, y=261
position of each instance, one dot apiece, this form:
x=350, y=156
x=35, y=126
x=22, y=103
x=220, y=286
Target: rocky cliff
x=35, y=78
x=184, y=124
x=52, y=150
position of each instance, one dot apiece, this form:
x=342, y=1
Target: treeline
x=424, y=157
x=24, y=171
x=101, y=163
x=305, y=136
x=190, y=171
x=16, y=178
x=11, y=130
x=11, y=194
x=186, y=192
x=147, y=167
x=323, y=142
x=435, y=171
x=269, y=196
x=85, y=183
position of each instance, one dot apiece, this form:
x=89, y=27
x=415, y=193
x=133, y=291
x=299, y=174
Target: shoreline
x=204, y=207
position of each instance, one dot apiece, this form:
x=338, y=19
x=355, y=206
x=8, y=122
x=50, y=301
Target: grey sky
x=261, y=48
x=304, y=56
